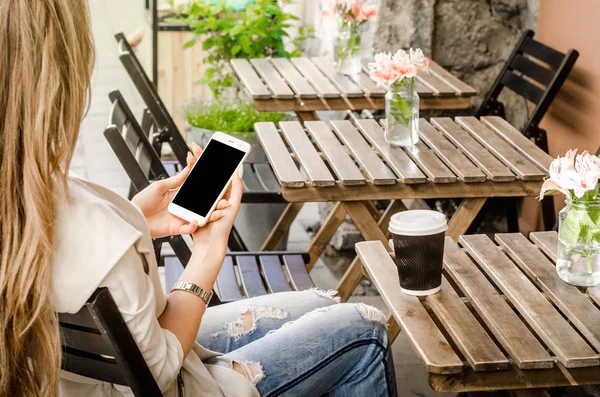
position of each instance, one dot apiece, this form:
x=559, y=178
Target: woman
x=62, y=238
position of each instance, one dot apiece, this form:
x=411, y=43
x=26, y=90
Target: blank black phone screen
x=208, y=178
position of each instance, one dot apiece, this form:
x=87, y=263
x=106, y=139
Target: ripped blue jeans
x=303, y=344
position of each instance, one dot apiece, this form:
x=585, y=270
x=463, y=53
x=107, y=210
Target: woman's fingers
x=190, y=159
x=216, y=215
x=175, y=181
x=236, y=191
x=222, y=204
x=188, y=228
x=196, y=150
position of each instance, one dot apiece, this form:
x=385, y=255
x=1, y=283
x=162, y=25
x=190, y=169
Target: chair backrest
x=165, y=129
x=97, y=344
x=534, y=71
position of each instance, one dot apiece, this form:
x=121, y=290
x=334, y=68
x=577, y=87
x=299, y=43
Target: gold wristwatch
x=194, y=289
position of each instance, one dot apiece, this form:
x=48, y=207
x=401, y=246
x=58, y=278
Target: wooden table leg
x=282, y=226
x=529, y=393
x=307, y=116
x=325, y=234
x=464, y=216
x=370, y=230
x=393, y=328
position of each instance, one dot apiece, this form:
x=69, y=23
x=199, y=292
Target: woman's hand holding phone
x=154, y=200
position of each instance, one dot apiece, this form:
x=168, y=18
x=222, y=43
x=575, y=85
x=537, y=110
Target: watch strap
x=194, y=289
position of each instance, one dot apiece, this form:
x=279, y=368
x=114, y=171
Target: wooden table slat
x=278, y=155
x=377, y=172
x=342, y=82
x=547, y=242
x=571, y=350
x=299, y=84
x=438, y=86
x=417, y=326
x=308, y=156
x=449, y=154
x=338, y=157
x=250, y=79
x=519, y=141
x=396, y=158
x=272, y=78
x=368, y=86
x=520, y=344
x=567, y=298
x=273, y=273
x=462, y=88
x=514, y=160
x=324, y=87
x=251, y=279
x=476, y=346
x=487, y=162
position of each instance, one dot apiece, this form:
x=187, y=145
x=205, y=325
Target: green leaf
x=237, y=30
x=208, y=74
x=235, y=49
x=189, y=44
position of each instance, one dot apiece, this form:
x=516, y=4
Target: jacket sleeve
x=134, y=294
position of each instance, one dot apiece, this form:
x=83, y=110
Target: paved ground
x=95, y=161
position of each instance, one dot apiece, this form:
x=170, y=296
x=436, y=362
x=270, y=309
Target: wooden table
x=305, y=85
x=503, y=318
x=352, y=165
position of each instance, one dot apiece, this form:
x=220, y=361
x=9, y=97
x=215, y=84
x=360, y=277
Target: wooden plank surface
x=297, y=272
x=514, y=160
x=522, y=144
x=342, y=82
x=439, y=87
x=377, y=172
x=278, y=155
x=251, y=279
x=473, y=341
x=336, y=154
x=500, y=319
x=449, y=154
x=294, y=79
x=396, y=158
x=272, y=78
x=307, y=154
x=417, y=326
x=461, y=88
x=570, y=349
x=274, y=275
x=324, y=87
x=568, y=299
x=367, y=85
x=227, y=283
x=266, y=177
x=486, y=161
x=250, y=79
x=547, y=242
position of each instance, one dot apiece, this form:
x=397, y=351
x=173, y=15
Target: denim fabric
x=303, y=344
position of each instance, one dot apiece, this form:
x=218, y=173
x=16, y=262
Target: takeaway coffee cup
x=418, y=238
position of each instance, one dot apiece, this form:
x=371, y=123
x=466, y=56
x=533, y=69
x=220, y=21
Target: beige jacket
x=100, y=240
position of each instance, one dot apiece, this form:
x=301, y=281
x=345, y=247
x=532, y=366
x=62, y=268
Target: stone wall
x=471, y=38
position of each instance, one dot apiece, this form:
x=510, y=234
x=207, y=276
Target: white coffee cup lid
x=418, y=223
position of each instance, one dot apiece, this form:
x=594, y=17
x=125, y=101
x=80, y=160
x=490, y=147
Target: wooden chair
x=98, y=345
x=260, y=181
x=536, y=72
x=259, y=273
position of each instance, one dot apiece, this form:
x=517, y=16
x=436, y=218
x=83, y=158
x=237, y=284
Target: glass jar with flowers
x=578, y=254
x=397, y=73
x=351, y=15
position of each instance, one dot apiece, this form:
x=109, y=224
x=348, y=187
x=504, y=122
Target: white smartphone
x=209, y=178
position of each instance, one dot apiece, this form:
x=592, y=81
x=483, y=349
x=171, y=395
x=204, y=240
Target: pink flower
x=576, y=173
x=418, y=59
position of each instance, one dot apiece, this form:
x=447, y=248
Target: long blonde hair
x=46, y=62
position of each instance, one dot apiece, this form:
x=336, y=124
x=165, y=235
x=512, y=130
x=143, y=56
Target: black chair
x=98, y=345
x=259, y=273
x=536, y=72
x=260, y=181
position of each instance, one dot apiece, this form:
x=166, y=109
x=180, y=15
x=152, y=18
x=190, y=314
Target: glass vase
x=402, y=113
x=346, y=49
x=578, y=256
